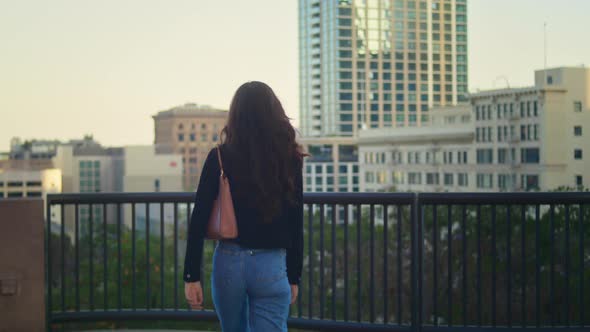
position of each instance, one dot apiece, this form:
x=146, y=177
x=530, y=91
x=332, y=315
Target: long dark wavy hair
x=263, y=153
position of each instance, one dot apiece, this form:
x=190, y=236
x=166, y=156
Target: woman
x=255, y=276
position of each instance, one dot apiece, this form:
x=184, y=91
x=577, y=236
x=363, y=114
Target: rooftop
x=191, y=109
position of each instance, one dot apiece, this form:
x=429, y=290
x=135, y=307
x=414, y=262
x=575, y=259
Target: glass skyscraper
x=379, y=63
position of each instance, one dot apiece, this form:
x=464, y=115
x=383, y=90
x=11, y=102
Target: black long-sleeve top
x=285, y=230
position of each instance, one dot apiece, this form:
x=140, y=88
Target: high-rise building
x=379, y=63
x=190, y=130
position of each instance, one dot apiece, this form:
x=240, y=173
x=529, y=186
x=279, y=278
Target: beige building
x=88, y=167
x=190, y=130
x=16, y=183
x=533, y=137
x=29, y=183
x=432, y=158
x=514, y=139
x=146, y=171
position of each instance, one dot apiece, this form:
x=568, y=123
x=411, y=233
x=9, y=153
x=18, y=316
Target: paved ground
x=142, y=330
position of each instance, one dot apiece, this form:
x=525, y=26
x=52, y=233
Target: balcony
x=373, y=261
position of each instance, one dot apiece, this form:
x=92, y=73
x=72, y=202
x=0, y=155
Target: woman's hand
x=194, y=294
x=294, y=293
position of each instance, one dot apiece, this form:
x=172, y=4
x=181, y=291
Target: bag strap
x=219, y=159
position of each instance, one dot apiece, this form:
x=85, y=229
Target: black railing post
x=48, y=264
x=415, y=300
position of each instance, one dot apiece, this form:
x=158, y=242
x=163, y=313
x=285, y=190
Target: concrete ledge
x=22, y=274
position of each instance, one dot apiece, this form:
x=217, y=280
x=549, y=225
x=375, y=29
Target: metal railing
x=373, y=261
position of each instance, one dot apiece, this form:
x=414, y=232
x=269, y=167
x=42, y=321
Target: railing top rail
x=187, y=197
x=359, y=198
x=114, y=198
x=506, y=198
x=341, y=198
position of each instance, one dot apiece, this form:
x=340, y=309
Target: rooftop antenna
x=505, y=80
x=545, y=51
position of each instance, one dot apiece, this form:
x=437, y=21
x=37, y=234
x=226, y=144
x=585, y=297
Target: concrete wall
x=22, y=275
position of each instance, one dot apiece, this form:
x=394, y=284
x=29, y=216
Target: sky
x=75, y=67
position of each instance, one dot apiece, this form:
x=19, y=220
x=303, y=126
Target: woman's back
x=253, y=230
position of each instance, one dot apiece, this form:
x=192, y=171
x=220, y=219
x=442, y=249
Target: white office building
x=513, y=139
x=333, y=165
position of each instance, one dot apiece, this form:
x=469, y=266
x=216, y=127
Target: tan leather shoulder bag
x=222, y=222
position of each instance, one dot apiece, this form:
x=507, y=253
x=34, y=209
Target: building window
x=506, y=181
x=414, y=178
x=579, y=181
x=449, y=179
x=530, y=182
x=181, y=137
x=397, y=177
x=529, y=155
x=528, y=109
x=549, y=79
x=462, y=179
x=578, y=154
x=502, y=156
x=484, y=181
x=577, y=106
x=484, y=156
x=380, y=178
x=369, y=177
x=192, y=137
x=577, y=130
x=432, y=178
x=157, y=185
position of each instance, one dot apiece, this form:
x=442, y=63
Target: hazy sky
x=72, y=67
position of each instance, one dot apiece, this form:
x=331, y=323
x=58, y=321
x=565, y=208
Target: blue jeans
x=250, y=288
